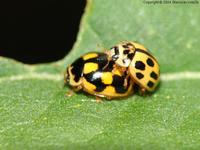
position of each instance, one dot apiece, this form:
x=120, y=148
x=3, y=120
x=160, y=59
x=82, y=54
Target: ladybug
x=140, y=64
x=95, y=74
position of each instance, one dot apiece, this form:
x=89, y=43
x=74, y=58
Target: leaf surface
x=35, y=114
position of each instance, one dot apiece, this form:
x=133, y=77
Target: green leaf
x=36, y=114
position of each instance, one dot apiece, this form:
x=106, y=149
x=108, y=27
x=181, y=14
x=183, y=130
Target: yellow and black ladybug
x=140, y=64
x=95, y=74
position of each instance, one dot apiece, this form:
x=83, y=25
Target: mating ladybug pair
x=115, y=72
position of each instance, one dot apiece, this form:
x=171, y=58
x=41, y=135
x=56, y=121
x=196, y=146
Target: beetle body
x=139, y=63
x=95, y=74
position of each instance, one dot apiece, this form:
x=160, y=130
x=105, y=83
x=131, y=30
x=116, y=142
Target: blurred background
x=39, y=31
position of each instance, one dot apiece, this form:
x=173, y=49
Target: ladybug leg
x=69, y=93
x=142, y=91
x=77, y=88
x=109, y=98
x=98, y=99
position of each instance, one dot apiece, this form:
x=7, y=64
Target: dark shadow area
x=39, y=31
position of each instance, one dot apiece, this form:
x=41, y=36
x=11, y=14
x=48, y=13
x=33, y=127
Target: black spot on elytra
x=150, y=62
x=118, y=81
x=109, y=67
x=118, y=84
x=154, y=75
x=77, y=69
x=126, y=51
x=95, y=80
x=150, y=84
x=140, y=65
x=139, y=75
x=101, y=60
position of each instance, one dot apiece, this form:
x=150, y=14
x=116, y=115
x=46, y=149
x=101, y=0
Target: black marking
x=154, y=75
x=116, y=50
x=129, y=81
x=101, y=60
x=126, y=51
x=139, y=75
x=125, y=73
x=131, y=55
x=150, y=62
x=118, y=84
x=67, y=77
x=77, y=69
x=109, y=67
x=95, y=79
x=118, y=81
x=150, y=84
x=140, y=65
x=115, y=57
x=125, y=46
x=130, y=44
